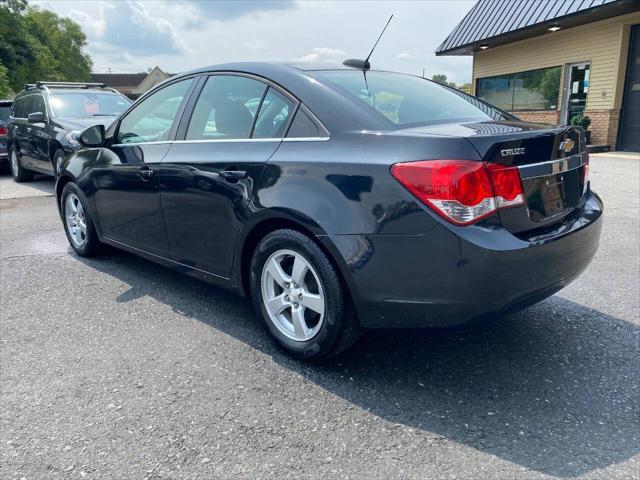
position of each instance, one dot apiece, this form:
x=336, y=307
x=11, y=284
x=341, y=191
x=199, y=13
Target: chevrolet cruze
x=338, y=199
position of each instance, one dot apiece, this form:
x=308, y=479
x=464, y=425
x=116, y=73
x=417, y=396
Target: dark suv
x=5, y=108
x=46, y=119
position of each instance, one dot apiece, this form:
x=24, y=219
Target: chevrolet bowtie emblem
x=567, y=145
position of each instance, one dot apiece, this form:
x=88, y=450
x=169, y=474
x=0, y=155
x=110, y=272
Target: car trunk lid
x=551, y=162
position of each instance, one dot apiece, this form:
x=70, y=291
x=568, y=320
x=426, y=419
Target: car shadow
x=553, y=388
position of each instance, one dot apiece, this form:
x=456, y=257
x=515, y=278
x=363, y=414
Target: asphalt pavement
x=116, y=368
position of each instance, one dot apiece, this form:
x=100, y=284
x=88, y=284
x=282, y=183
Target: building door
x=576, y=87
x=629, y=136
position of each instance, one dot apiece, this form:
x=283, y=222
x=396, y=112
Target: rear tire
x=78, y=223
x=18, y=172
x=297, y=293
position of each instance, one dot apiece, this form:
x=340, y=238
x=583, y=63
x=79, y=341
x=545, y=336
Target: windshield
x=4, y=113
x=405, y=99
x=88, y=104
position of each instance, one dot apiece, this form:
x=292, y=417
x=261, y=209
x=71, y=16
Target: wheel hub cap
x=76, y=220
x=292, y=295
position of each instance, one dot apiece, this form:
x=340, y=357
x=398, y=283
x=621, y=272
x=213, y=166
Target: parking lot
x=117, y=368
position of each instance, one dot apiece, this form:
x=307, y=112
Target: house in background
x=131, y=84
x=549, y=60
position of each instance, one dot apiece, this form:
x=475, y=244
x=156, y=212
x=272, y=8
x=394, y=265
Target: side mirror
x=92, y=137
x=35, y=117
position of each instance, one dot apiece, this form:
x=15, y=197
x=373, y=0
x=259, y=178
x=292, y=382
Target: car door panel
x=206, y=190
x=127, y=196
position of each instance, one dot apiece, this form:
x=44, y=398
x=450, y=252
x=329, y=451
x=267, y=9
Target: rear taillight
x=3, y=131
x=461, y=191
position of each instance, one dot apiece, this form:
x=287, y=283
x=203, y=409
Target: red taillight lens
x=3, y=131
x=461, y=191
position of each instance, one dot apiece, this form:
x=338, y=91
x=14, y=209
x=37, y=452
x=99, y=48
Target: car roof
x=6, y=102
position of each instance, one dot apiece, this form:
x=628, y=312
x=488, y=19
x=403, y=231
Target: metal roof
x=497, y=22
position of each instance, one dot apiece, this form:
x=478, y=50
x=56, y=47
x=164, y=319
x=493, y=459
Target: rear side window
x=225, y=108
x=404, y=99
x=151, y=120
x=273, y=118
x=303, y=127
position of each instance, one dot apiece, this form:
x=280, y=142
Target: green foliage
x=581, y=121
x=37, y=44
x=5, y=90
x=442, y=78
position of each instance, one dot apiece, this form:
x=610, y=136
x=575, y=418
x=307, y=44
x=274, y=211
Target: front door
x=629, y=137
x=207, y=178
x=576, y=88
x=127, y=195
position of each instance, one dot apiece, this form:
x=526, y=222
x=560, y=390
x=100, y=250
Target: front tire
x=58, y=157
x=18, y=172
x=78, y=224
x=296, y=291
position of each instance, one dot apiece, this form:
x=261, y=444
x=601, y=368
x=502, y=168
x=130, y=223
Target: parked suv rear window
x=4, y=113
x=88, y=104
x=405, y=99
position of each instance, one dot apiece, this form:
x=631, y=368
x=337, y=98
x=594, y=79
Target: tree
x=5, y=90
x=37, y=44
x=442, y=78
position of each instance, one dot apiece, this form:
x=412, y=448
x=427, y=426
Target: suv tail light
x=461, y=191
x=3, y=131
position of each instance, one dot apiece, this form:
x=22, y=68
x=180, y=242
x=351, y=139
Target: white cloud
x=405, y=56
x=256, y=45
x=324, y=55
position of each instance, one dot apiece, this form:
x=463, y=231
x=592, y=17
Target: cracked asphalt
x=115, y=368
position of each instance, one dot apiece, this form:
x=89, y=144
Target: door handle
x=233, y=175
x=145, y=173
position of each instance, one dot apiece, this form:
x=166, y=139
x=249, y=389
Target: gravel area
x=116, y=368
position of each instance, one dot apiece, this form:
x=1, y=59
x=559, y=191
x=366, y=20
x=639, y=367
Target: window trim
x=181, y=135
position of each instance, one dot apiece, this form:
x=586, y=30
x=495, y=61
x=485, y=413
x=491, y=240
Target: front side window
x=531, y=90
x=19, y=108
x=37, y=105
x=152, y=119
x=88, y=104
x=403, y=99
x=226, y=108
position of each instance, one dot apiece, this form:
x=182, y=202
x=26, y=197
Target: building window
x=532, y=90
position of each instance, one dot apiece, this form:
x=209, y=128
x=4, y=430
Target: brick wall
x=604, y=126
x=540, y=116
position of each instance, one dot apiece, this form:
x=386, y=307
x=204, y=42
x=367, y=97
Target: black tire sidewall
x=92, y=244
x=59, y=153
x=324, y=342
x=22, y=175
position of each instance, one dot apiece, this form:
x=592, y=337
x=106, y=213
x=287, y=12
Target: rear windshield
x=4, y=113
x=405, y=99
x=88, y=104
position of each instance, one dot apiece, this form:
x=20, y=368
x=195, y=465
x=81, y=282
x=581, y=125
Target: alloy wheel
x=76, y=220
x=292, y=295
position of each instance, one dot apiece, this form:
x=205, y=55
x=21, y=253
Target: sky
x=128, y=36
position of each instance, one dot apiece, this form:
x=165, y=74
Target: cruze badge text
x=507, y=152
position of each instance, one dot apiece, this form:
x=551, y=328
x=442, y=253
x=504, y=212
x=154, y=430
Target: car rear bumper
x=453, y=276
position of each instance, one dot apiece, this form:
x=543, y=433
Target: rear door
x=20, y=135
x=207, y=178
